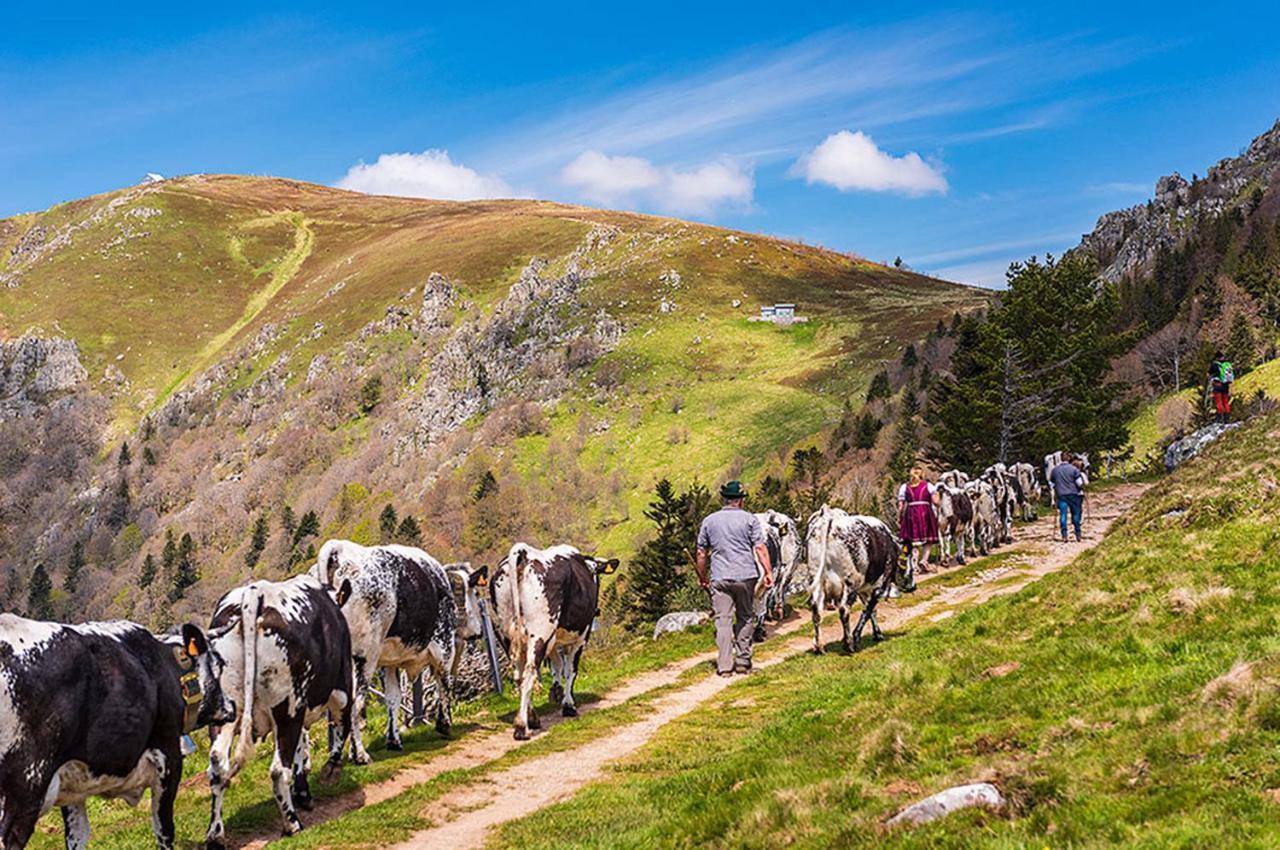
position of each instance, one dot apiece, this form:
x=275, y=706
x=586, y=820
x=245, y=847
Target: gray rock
x=951, y=800
x=1181, y=451
x=678, y=621
x=35, y=371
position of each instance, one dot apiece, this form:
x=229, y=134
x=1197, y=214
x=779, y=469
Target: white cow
x=986, y=518
x=782, y=539
x=955, y=522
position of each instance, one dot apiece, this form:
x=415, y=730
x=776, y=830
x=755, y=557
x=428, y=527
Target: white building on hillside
x=779, y=314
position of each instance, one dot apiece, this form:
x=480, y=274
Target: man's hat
x=733, y=490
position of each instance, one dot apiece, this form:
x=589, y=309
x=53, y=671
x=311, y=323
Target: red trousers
x=1222, y=401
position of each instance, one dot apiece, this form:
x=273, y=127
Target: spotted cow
x=852, y=556
x=782, y=540
x=1028, y=489
x=403, y=612
x=1002, y=488
x=98, y=710
x=288, y=658
x=545, y=601
x=986, y=519
x=955, y=522
x=954, y=478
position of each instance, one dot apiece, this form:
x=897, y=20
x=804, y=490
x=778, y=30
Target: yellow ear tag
x=482, y=582
x=191, y=649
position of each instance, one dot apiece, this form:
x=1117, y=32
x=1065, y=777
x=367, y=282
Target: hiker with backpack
x=1221, y=375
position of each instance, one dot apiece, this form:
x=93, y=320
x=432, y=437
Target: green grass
x=1105, y=735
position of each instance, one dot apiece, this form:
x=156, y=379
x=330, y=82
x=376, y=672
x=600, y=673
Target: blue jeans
x=1073, y=502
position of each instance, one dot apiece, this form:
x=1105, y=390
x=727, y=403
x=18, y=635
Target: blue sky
x=957, y=137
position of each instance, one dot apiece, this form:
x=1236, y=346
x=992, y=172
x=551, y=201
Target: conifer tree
x=186, y=571
x=124, y=457
x=148, y=572
x=409, y=533
x=39, y=601
x=75, y=564
x=387, y=521
x=257, y=541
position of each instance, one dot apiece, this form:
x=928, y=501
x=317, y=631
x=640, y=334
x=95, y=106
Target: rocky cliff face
x=35, y=371
x=1126, y=242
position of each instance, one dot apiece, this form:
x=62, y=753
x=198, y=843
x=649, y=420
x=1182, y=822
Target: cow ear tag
x=192, y=650
x=482, y=581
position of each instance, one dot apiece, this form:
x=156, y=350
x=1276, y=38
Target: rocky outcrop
x=1126, y=242
x=529, y=347
x=1181, y=451
x=35, y=371
x=982, y=794
x=678, y=621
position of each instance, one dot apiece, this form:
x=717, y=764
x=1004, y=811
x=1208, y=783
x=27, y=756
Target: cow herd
x=100, y=709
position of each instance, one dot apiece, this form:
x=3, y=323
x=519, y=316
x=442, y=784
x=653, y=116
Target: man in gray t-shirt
x=1068, y=482
x=732, y=541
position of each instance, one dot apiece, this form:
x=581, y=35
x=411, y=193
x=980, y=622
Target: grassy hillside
x=1127, y=701
x=247, y=317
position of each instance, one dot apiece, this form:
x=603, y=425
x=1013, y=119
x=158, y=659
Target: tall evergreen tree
x=186, y=571
x=75, y=564
x=1032, y=377
x=1241, y=345
x=409, y=532
x=169, y=554
x=308, y=526
x=39, y=595
x=288, y=521
x=387, y=521
x=124, y=458
x=148, y=573
x=807, y=469
x=880, y=387
x=257, y=540
x=661, y=568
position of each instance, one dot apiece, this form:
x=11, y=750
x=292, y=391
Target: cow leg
x=363, y=670
x=959, y=541
x=342, y=707
x=219, y=778
x=163, y=793
x=391, y=687
x=287, y=732
x=75, y=826
x=301, y=770
x=567, y=707
x=556, y=661
x=440, y=666
x=842, y=608
x=868, y=612
x=816, y=603
x=526, y=717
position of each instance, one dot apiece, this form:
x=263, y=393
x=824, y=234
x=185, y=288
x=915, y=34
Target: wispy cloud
x=1118, y=188
x=1034, y=243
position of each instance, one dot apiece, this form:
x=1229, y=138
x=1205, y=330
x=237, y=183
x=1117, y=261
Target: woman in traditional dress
x=918, y=518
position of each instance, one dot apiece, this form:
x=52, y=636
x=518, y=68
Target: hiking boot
x=1079, y=539
x=724, y=674
x=741, y=669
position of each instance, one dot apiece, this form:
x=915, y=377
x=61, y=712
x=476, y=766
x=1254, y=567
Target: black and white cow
x=288, y=659
x=1027, y=489
x=98, y=710
x=955, y=522
x=986, y=517
x=852, y=557
x=404, y=615
x=997, y=475
x=545, y=601
x=954, y=478
x=782, y=539
x=1053, y=459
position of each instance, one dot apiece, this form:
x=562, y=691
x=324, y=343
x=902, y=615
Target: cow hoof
x=304, y=802
x=960, y=561
x=331, y=771
x=557, y=693
x=759, y=635
x=520, y=734
x=568, y=711
x=445, y=730
x=817, y=650
x=357, y=758
x=395, y=746
x=535, y=722
x=214, y=844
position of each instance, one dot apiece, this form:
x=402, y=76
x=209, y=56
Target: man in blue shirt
x=732, y=541
x=1068, y=483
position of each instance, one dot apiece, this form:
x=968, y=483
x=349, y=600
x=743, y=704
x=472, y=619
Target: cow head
x=204, y=688
x=603, y=567
x=466, y=585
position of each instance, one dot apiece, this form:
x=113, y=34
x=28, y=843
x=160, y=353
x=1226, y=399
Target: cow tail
x=518, y=639
x=250, y=607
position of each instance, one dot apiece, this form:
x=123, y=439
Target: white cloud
x=617, y=180
x=430, y=174
x=851, y=161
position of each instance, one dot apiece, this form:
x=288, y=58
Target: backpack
x=1226, y=374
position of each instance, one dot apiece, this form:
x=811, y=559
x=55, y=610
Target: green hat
x=733, y=490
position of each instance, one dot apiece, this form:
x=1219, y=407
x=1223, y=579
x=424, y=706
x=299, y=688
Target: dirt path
x=465, y=816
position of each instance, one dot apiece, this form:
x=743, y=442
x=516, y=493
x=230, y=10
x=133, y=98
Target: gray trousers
x=733, y=603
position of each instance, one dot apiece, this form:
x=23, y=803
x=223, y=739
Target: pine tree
x=487, y=486
x=1241, y=346
x=169, y=554
x=879, y=387
x=655, y=575
x=409, y=532
x=118, y=512
x=148, y=456
x=909, y=357
x=288, y=522
x=75, y=564
x=124, y=457
x=867, y=431
x=39, y=599
x=148, y=573
x=807, y=469
x=186, y=571
x=308, y=526
x=258, y=540
x=387, y=523
x=371, y=394
x=773, y=494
